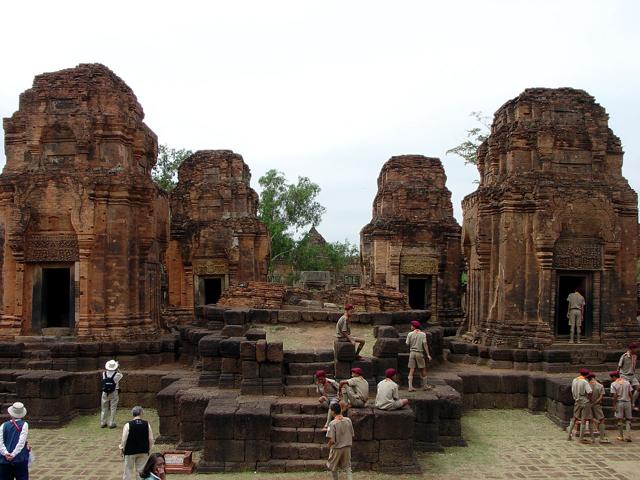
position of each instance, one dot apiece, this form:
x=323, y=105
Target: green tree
x=468, y=149
x=165, y=171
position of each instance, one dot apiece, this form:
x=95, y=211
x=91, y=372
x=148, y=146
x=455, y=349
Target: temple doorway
x=56, y=298
x=419, y=293
x=212, y=290
x=567, y=282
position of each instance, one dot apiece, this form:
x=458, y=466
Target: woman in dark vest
x=14, y=453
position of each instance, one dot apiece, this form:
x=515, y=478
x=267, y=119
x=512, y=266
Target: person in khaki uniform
x=340, y=435
x=627, y=368
x=621, y=391
x=328, y=389
x=387, y=397
x=575, y=314
x=596, y=406
x=343, y=332
x=418, y=349
x=582, y=393
x=355, y=391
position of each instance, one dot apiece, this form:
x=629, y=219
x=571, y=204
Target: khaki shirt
x=621, y=388
x=597, y=389
x=580, y=389
x=627, y=364
x=387, y=394
x=329, y=389
x=341, y=432
x=361, y=387
x=417, y=341
x=343, y=326
x=575, y=301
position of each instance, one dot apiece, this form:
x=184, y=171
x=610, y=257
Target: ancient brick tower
x=413, y=242
x=552, y=213
x=216, y=237
x=82, y=225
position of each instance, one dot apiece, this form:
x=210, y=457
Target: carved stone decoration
x=82, y=215
x=552, y=213
x=412, y=233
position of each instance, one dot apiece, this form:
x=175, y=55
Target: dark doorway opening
x=567, y=283
x=56, y=297
x=419, y=293
x=212, y=290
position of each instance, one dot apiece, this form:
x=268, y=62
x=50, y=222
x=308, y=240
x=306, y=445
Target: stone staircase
x=8, y=395
x=300, y=368
x=609, y=413
x=297, y=440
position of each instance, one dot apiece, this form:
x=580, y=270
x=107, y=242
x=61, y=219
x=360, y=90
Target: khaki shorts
x=352, y=398
x=623, y=410
x=575, y=317
x=582, y=410
x=396, y=405
x=416, y=360
x=632, y=379
x=597, y=412
x=339, y=458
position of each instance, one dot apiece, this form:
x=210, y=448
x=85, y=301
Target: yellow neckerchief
x=580, y=377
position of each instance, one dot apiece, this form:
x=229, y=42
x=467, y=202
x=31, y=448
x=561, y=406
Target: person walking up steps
x=328, y=390
x=110, y=385
x=14, y=452
x=621, y=391
x=418, y=349
x=340, y=435
x=343, y=332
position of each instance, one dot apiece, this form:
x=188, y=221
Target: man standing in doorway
x=343, y=331
x=575, y=314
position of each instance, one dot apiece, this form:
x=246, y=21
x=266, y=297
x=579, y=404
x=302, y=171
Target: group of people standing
x=339, y=396
x=588, y=394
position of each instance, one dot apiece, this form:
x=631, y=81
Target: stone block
x=342, y=370
x=209, y=346
x=230, y=347
x=256, y=451
x=382, y=364
x=234, y=317
x=556, y=356
x=258, y=316
x=385, y=331
x=366, y=364
x=363, y=421
x=261, y=351
x=534, y=356
x=211, y=364
x=386, y=347
x=381, y=318
x=396, y=452
x=230, y=365
x=365, y=451
x=251, y=386
x=270, y=370
x=345, y=351
x=250, y=369
x=427, y=432
x=426, y=407
x=327, y=356
x=288, y=316
x=396, y=424
x=248, y=350
x=275, y=352
x=459, y=348
x=255, y=334
x=402, y=318
x=219, y=420
x=233, y=331
x=501, y=354
x=252, y=421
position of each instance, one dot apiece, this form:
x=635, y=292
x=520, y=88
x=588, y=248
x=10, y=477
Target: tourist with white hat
x=109, y=387
x=14, y=452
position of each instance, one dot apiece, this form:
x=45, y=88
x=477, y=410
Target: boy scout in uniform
x=627, y=369
x=418, y=348
x=340, y=435
x=596, y=406
x=575, y=313
x=328, y=390
x=387, y=397
x=343, y=332
x=355, y=391
x=582, y=393
x=621, y=391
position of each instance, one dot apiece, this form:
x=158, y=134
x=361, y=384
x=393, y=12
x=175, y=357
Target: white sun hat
x=17, y=410
x=111, y=365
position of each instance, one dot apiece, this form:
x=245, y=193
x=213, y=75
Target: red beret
x=633, y=345
x=415, y=323
x=321, y=374
x=614, y=374
x=584, y=372
x=591, y=375
x=357, y=370
x=348, y=306
x=390, y=372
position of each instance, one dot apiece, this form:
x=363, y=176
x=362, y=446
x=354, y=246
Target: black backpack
x=108, y=383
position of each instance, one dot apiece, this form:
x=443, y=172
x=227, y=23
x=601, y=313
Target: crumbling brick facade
x=82, y=225
x=552, y=213
x=216, y=237
x=412, y=242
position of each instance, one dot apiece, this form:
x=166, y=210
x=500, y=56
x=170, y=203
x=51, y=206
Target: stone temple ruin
x=85, y=236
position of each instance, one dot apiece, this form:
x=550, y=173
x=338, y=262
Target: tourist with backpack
x=14, y=451
x=109, y=386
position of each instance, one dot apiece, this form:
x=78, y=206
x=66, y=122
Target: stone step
x=292, y=466
x=306, y=407
x=38, y=354
x=299, y=451
x=8, y=398
x=299, y=391
x=298, y=369
x=7, y=387
x=298, y=435
x=299, y=380
x=289, y=420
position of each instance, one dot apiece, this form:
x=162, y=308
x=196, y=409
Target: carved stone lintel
x=42, y=248
x=577, y=254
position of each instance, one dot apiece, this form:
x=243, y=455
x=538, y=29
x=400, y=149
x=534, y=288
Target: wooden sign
x=178, y=462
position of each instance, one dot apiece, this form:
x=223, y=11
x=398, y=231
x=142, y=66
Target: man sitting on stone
x=343, y=332
x=582, y=394
x=355, y=391
x=137, y=440
x=418, y=349
x=627, y=368
x=328, y=390
x=387, y=397
x=110, y=384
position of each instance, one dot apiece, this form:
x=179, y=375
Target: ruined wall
x=413, y=234
x=552, y=203
x=79, y=214
x=215, y=232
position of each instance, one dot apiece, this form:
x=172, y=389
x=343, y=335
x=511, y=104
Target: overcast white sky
x=332, y=89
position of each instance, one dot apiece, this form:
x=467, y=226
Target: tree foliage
x=165, y=171
x=468, y=149
x=332, y=256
